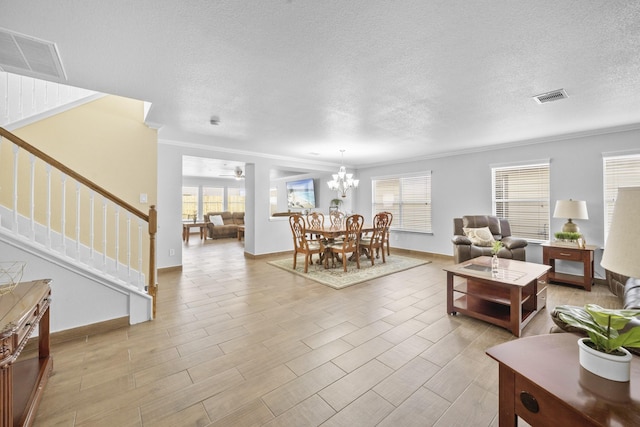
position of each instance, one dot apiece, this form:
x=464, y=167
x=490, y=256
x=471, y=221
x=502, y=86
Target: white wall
x=461, y=185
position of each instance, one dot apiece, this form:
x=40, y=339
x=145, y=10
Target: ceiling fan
x=237, y=173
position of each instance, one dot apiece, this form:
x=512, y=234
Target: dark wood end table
x=552, y=252
x=542, y=382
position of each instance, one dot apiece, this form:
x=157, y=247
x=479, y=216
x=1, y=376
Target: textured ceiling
x=384, y=80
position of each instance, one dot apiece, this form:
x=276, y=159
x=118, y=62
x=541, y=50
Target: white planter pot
x=611, y=367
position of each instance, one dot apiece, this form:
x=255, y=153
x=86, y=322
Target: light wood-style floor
x=238, y=342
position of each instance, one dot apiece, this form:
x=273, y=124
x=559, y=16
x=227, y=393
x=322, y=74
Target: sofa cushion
x=479, y=236
x=478, y=221
x=216, y=220
x=238, y=218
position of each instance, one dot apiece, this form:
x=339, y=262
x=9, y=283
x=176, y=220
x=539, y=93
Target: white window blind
x=212, y=199
x=521, y=195
x=619, y=171
x=189, y=203
x=408, y=198
x=235, y=199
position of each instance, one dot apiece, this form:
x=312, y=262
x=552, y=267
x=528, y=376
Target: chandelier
x=342, y=181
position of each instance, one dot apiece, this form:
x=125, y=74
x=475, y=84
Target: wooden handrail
x=73, y=174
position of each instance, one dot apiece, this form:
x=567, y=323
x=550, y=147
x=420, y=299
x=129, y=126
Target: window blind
x=619, y=171
x=212, y=199
x=235, y=199
x=408, y=198
x=521, y=195
x=189, y=202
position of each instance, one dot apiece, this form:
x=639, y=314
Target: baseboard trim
x=170, y=269
x=82, y=332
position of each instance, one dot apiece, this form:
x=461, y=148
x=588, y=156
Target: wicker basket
x=10, y=275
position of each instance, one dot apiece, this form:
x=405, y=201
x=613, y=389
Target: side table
x=551, y=253
x=542, y=382
x=22, y=382
x=186, y=226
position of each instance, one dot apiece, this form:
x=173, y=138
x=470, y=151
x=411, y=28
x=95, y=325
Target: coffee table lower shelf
x=497, y=314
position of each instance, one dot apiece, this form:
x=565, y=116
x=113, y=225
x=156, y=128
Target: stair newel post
x=153, y=228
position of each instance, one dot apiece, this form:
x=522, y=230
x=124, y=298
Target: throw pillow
x=217, y=220
x=479, y=236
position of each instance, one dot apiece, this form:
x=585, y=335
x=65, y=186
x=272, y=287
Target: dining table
x=332, y=232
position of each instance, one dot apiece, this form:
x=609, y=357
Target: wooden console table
x=22, y=382
x=551, y=253
x=542, y=382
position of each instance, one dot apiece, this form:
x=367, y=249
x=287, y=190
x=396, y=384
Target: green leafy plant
x=604, y=326
x=567, y=235
x=496, y=246
x=336, y=202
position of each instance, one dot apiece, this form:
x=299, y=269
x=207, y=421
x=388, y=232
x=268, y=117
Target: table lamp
x=622, y=250
x=571, y=209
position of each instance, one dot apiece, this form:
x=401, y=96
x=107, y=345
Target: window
x=189, y=203
x=521, y=195
x=212, y=199
x=619, y=171
x=408, y=198
x=235, y=199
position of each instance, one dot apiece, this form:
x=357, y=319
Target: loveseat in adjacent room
x=223, y=224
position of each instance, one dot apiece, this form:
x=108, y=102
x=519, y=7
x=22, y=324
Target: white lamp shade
x=574, y=209
x=622, y=250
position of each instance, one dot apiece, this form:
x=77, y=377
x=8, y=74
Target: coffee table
x=542, y=382
x=509, y=298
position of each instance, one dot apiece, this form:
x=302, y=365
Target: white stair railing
x=68, y=225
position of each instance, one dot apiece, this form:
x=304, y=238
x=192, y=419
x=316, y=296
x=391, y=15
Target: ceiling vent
x=555, y=95
x=20, y=54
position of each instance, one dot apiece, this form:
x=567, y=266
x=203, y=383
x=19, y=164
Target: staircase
x=98, y=249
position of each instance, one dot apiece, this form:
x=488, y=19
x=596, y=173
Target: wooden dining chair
x=386, y=235
x=351, y=241
x=336, y=218
x=301, y=244
x=375, y=240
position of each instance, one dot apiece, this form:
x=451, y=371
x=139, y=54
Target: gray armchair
x=464, y=249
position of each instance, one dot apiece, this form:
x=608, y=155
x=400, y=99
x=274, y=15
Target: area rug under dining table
x=338, y=279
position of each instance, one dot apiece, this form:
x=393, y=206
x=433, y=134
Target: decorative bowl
x=10, y=275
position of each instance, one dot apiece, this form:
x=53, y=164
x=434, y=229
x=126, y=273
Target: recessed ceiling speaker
x=214, y=120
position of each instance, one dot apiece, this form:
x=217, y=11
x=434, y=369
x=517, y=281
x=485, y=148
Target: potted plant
x=603, y=352
x=335, y=204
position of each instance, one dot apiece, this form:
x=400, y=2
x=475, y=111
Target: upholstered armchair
x=481, y=231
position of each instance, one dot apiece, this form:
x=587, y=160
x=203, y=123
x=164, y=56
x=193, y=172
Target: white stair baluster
x=140, y=282
x=128, y=248
x=32, y=202
x=63, y=218
x=91, y=226
x=15, y=189
x=77, y=220
x=48, y=219
x=104, y=235
x=117, y=257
